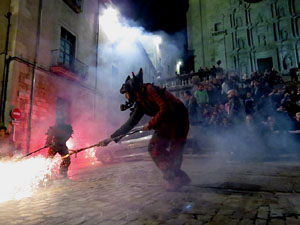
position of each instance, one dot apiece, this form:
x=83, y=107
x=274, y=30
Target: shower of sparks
x=22, y=178
x=88, y=155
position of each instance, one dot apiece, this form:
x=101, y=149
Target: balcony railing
x=178, y=84
x=181, y=81
x=66, y=65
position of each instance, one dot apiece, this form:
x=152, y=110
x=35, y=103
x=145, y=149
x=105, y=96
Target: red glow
x=87, y=131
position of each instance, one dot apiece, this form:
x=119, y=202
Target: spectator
x=212, y=94
x=234, y=107
x=294, y=72
x=195, y=82
x=201, y=96
x=296, y=127
x=6, y=146
x=190, y=103
x=249, y=104
x=225, y=87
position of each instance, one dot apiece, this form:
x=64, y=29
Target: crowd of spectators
x=259, y=105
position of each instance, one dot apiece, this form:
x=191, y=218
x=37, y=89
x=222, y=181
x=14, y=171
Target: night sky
x=155, y=15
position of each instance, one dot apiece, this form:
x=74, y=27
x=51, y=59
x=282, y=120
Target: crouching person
x=170, y=123
x=57, y=137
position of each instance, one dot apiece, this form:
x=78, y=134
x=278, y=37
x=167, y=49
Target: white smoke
x=124, y=49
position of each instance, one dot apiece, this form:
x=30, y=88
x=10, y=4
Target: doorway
x=264, y=64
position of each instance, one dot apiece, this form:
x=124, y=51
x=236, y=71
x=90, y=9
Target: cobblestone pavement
x=222, y=192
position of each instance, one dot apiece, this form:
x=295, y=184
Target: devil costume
x=57, y=137
x=170, y=122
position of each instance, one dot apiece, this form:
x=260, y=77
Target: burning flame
x=21, y=178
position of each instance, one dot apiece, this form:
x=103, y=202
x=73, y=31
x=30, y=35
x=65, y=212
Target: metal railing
x=70, y=63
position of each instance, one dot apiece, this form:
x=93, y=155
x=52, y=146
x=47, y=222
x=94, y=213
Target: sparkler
x=22, y=178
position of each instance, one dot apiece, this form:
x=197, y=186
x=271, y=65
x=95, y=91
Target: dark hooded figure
x=170, y=122
x=57, y=137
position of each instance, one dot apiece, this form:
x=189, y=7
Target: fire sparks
x=21, y=178
x=90, y=155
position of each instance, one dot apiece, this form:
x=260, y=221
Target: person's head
x=209, y=88
x=187, y=94
x=3, y=130
x=281, y=108
x=231, y=93
x=201, y=87
x=248, y=94
x=298, y=116
x=131, y=85
x=195, y=80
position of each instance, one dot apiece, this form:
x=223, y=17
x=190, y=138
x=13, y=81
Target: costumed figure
x=170, y=122
x=57, y=137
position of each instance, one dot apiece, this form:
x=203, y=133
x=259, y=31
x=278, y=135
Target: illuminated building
x=245, y=36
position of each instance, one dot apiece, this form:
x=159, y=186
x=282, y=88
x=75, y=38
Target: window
x=67, y=48
x=75, y=5
x=217, y=27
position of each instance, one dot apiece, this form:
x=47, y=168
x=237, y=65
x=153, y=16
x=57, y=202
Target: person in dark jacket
x=57, y=137
x=249, y=104
x=170, y=122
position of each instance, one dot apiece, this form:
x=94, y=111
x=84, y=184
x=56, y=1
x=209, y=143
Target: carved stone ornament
x=287, y=62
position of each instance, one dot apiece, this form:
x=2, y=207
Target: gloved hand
x=104, y=143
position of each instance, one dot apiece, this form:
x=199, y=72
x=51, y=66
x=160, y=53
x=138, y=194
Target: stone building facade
x=245, y=36
x=54, y=41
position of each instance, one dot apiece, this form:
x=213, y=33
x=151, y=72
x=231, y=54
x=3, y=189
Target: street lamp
x=179, y=63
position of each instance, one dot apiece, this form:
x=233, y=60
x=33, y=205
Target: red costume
x=170, y=122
